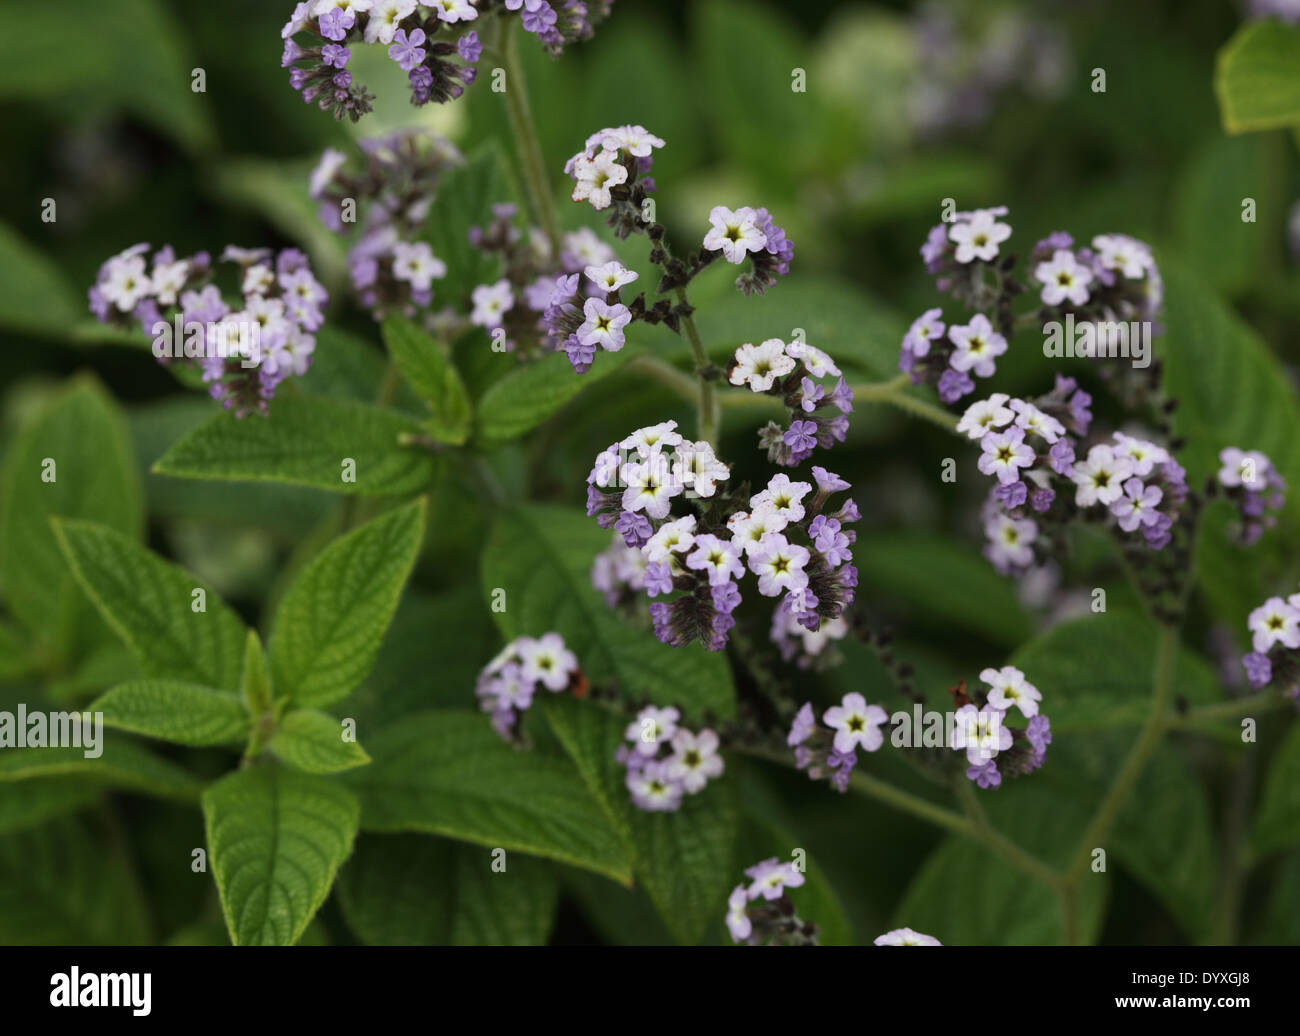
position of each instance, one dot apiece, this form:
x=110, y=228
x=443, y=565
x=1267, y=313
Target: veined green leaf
x=25, y=804
x=1255, y=77
x=332, y=619
x=276, y=841
x=121, y=764
x=186, y=713
x=313, y=741
x=432, y=375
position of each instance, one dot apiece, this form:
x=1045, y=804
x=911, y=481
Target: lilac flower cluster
x=747, y=232
x=832, y=750
x=1275, y=640
x=506, y=685
x=981, y=731
x=808, y=649
x=243, y=353
x=611, y=172
x=665, y=761
x=1032, y=450
x=391, y=269
x=761, y=914
x=1255, y=486
x=949, y=355
x=427, y=41
x=1115, y=279
x=792, y=373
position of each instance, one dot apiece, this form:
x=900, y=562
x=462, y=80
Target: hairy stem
x=527, y=145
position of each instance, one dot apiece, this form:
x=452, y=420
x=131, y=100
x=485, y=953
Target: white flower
x=604, y=324
x=1275, y=622
x=815, y=362
x=783, y=497
x=653, y=790
x=635, y=140
x=652, y=438
x=906, y=937
x=772, y=877
x=717, y=558
x=258, y=279
x=1101, y=477
x=355, y=6
x=650, y=486
x=760, y=365
x=416, y=264
x=491, y=302
x=979, y=236
x=330, y=162
x=386, y=14
x=585, y=248
x=815, y=641
x=1123, y=254
x=695, y=759
x=1242, y=468
x=1011, y=688
x=672, y=537
x=651, y=728
x=977, y=346
x=610, y=276
x=1010, y=541
x=856, y=723
x=734, y=232
x=1033, y=420
x=126, y=282
x=453, y=10
x=695, y=465
x=1144, y=455
x=749, y=530
x=1004, y=454
x=779, y=565
x=985, y=416
x=1063, y=277
x=980, y=732
x=547, y=660
x=168, y=279
x=595, y=176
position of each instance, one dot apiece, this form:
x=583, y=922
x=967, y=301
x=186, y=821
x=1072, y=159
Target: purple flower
x=539, y=20
x=804, y=724
x=658, y=579
x=1259, y=670
x=406, y=50
x=953, y=384
x=634, y=528
x=1012, y=494
x=468, y=47
x=335, y=23
x=726, y=596
x=828, y=481
x=1039, y=732
x=801, y=437
x=334, y=55
x=580, y=355
x=985, y=774
x=1061, y=457
x=1041, y=499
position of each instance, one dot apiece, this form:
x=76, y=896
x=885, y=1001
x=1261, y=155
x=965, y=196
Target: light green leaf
x=313, y=741
x=332, y=619
x=685, y=859
x=150, y=603
x=432, y=375
x=1277, y=824
x=418, y=890
x=186, y=713
x=542, y=557
x=82, y=435
x=276, y=840
x=255, y=685
x=306, y=441
x=1256, y=77
x=532, y=392
x=121, y=764
x=448, y=773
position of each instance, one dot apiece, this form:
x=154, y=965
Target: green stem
x=666, y=374
x=708, y=409
x=894, y=393
x=1264, y=701
x=528, y=146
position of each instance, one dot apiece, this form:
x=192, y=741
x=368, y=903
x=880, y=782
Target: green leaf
x=34, y=296
x=1256, y=78
x=255, y=685
x=532, y=392
x=186, y=713
x=59, y=887
x=964, y=895
x=331, y=621
x=417, y=890
x=685, y=859
x=432, y=375
x=121, y=764
x=1096, y=673
x=465, y=199
x=944, y=582
x=150, y=602
x=1280, y=923
x=306, y=441
x=448, y=773
x=30, y=803
x=276, y=840
x=81, y=431
x=1277, y=824
x=313, y=741
x=542, y=557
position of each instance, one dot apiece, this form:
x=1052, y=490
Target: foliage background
x=102, y=119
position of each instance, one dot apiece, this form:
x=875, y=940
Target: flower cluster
x=950, y=355
x=1115, y=279
x=1275, y=640
x=793, y=373
x=431, y=42
x=737, y=234
x=1255, y=486
x=506, y=685
x=832, y=750
x=665, y=761
x=761, y=914
x=981, y=731
x=611, y=172
x=391, y=269
x=243, y=352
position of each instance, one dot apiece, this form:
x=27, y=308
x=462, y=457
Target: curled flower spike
x=831, y=751
x=993, y=749
x=243, y=351
x=760, y=913
x=665, y=761
x=506, y=685
x=1250, y=480
x=1275, y=639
